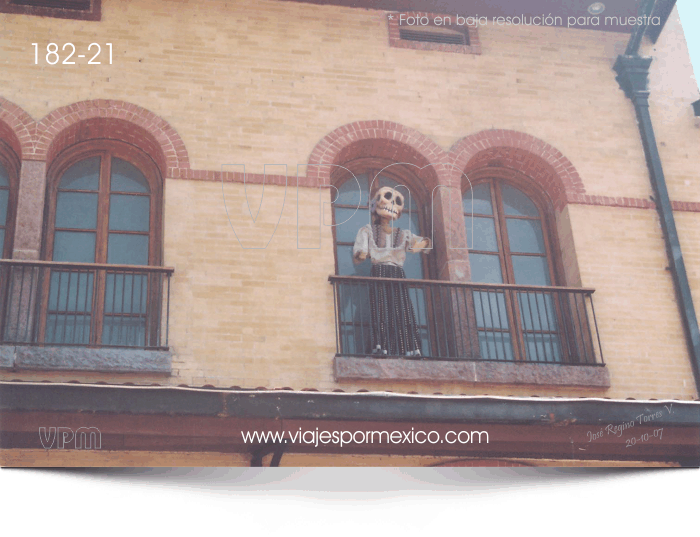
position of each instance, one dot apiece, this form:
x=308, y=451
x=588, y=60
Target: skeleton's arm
x=421, y=245
x=360, y=250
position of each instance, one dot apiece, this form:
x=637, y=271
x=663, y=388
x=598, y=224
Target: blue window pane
x=485, y=268
x=420, y=309
x=483, y=235
x=516, y=203
x=348, y=222
x=482, y=200
x=4, y=176
x=76, y=210
x=495, y=346
x=2, y=241
x=127, y=178
x=413, y=266
x=124, y=331
x=74, y=246
x=490, y=309
x=350, y=193
x=129, y=213
x=127, y=249
x=542, y=347
x=4, y=196
x=525, y=236
x=70, y=291
x=354, y=303
x=126, y=293
x=530, y=270
x=85, y=175
x=353, y=340
x=409, y=220
x=417, y=296
x=537, y=311
x=346, y=267
x=68, y=328
x=415, y=223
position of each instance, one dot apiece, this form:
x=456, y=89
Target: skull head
x=388, y=203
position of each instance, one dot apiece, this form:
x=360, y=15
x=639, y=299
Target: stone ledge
x=475, y=372
x=108, y=360
x=7, y=356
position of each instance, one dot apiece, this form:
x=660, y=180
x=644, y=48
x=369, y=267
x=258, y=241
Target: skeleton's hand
x=360, y=256
x=422, y=247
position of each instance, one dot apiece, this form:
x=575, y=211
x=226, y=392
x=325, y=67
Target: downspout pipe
x=632, y=76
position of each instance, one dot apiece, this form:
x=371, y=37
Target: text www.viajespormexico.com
x=316, y=437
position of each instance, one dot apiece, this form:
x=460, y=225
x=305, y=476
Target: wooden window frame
x=12, y=165
x=495, y=177
x=93, y=14
x=146, y=165
x=539, y=199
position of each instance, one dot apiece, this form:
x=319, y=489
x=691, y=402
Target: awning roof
x=200, y=419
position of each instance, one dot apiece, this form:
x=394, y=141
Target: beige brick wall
x=621, y=255
x=263, y=82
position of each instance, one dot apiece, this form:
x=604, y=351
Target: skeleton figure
x=393, y=325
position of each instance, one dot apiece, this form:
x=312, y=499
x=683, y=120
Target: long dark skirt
x=394, y=330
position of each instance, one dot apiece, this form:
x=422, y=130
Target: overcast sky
x=690, y=18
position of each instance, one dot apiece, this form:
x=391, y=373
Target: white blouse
x=393, y=254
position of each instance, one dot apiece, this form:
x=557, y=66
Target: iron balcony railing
x=476, y=321
x=85, y=304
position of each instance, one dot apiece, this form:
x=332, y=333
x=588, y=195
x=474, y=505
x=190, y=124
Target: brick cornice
x=630, y=203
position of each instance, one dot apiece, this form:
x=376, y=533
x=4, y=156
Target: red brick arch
x=100, y=118
x=17, y=128
x=375, y=138
x=533, y=157
x=110, y=119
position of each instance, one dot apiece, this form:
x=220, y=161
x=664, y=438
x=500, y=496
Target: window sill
x=107, y=360
x=371, y=368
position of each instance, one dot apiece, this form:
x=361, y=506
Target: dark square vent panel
x=86, y=10
x=77, y=5
x=433, y=34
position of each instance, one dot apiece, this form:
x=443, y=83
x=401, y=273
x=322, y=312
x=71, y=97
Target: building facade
x=178, y=223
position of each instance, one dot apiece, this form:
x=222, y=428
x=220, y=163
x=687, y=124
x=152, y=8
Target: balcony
x=76, y=316
x=474, y=332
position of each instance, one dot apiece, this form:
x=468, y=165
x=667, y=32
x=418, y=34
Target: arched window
x=348, y=218
x=104, y=207
x=510, y=240
x=9, y=169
